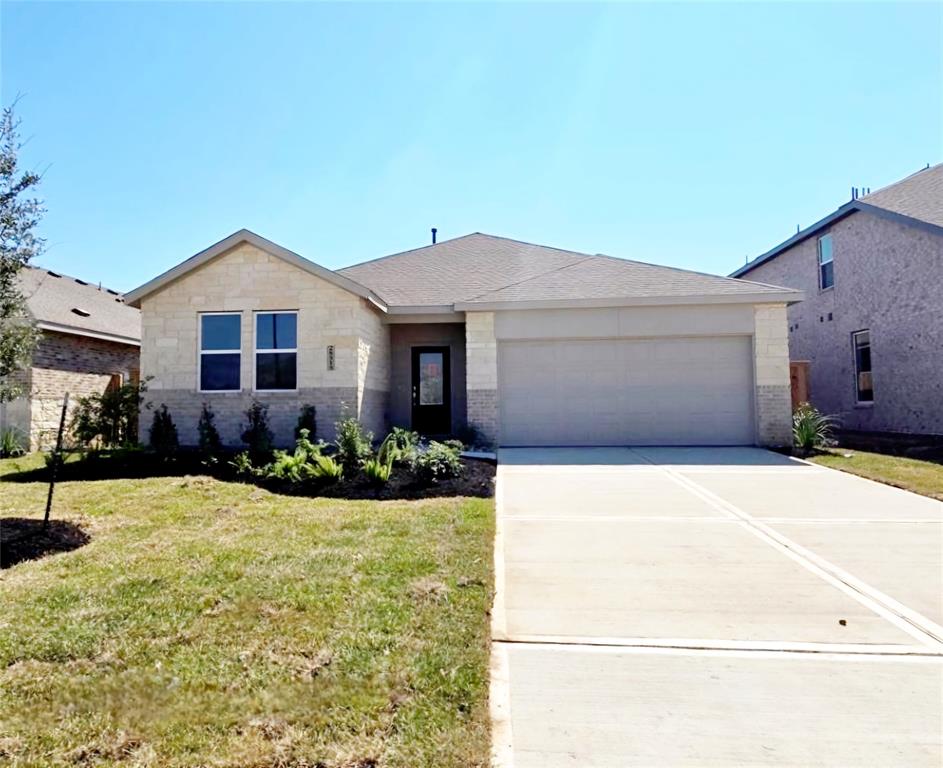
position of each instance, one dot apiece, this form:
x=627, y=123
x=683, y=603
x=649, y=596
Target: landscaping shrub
x=299, y=465
x=307, y=420
x=327, y=469
x=210, y=444
x=353, y=443
x=438, y=461
x=242, y=465
x=377, y=472
x=407, y=443
x=109, y=420
x=810, y=428
x=257, y=436
x=11, y=443
x=163, y=433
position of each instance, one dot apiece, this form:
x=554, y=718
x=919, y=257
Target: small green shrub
x=242, y=465
x=377, y=472
x=326, y=469
x=299, y=465
x=810, y=428
x=407, y=443
x=210, y=444
x=307, y=420
x=109, y=420
x=11, y=443
x=163, y=433
x=438, y=462
x=257, y=436
x=353, y=443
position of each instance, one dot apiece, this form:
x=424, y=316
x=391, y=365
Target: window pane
x=219, y=372
x=276, y=370
x=431, y=384
x=220, y=332
x=825, y=249
x=863, y=385
x=276, y=330
x=828, y=275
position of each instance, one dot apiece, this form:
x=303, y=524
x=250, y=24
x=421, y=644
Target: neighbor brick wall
x=78, y=365
x=889, y=280
x=247, y=279
x=771, y=373
x=481, y=351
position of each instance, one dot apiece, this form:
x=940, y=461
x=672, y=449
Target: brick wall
x=771, y=373
x=481, y=373
x=889, y=280
x=78, y=365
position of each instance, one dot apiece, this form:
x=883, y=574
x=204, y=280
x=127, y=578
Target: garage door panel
x=668, y=391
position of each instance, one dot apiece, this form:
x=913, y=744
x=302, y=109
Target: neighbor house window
x=863, y=387
x=276, y=350
x=220, y=355
x=826, y=268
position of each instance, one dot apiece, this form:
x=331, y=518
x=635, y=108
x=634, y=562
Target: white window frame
x=200, y=352
x=831, y=260
x=256, y=351
x=854, y=353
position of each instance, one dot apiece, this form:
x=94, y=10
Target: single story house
x=90, y=340
x=525, y=344
x=871, y=325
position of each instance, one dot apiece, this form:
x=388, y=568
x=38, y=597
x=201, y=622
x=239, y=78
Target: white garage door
x=675, y=391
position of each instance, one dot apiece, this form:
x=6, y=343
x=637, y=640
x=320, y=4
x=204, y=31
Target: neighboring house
x=871, y=325
x=90, y=340
x=525, y=344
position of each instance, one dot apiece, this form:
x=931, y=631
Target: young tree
x=19, y=215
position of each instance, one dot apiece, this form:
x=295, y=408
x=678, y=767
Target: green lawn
x=215, y=624
x=925, y=477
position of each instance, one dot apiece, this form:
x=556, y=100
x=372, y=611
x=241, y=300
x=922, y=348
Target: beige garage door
x=677, y=391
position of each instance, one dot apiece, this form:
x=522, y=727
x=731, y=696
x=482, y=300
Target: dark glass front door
x=432, y=391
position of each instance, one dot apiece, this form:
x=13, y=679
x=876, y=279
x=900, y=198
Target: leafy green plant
x=307, y=420
x=257, y=436
x=326, y=469
x=242, y=465
x=353, y=443
x=109, y=420
x=437, y=462
x=810, y=428
x=407, y=444
x=377, y=472
x=11, y=443
x=210, y=444
x=299, y=465
x=163, y=433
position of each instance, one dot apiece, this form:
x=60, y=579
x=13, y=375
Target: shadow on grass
x=23, y=538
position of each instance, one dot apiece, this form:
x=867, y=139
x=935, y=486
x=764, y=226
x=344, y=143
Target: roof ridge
x=409, y=250
x=587, y=257
x=909, y=176
x=689, y=271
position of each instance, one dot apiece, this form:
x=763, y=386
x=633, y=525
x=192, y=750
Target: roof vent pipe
x=434, y=230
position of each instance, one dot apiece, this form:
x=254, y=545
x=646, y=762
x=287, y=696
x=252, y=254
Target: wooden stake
x=56, y=459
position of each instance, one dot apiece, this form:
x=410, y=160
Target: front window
x=276, y=350
x=863, y=387
x=220, y=355
x=826, y=268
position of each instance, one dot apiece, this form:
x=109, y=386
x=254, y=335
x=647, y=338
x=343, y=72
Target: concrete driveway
x=712, y=607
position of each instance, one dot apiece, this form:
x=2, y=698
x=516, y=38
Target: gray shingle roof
x=484, y=269
x=919, y=196
x=73, y=304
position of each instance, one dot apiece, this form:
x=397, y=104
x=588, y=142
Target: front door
x=432, y=391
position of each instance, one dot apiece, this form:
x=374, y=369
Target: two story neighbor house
x=871, y=324
x=526, y=344
x=90, y=341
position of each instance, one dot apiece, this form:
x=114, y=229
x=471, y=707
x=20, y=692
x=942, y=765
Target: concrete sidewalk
x=713, y=607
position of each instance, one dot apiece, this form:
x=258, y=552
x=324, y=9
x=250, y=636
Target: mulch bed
x=24, y=538
x=477, y=479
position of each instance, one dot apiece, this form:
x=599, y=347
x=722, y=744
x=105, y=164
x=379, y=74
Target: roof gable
x=245, y=236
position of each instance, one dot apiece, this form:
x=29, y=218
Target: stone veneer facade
x=771, y=375
x=246, y=280
x=79, y=365
x=481, y=374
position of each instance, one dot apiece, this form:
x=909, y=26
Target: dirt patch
x=24, y=538
x=477, y=479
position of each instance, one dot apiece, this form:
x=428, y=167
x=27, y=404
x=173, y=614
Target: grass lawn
x=216, y=624
x=925, y=477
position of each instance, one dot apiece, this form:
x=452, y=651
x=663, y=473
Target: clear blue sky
x=691, y=135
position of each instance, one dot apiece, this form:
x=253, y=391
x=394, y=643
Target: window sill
x=827, y=290
x=865, y=404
